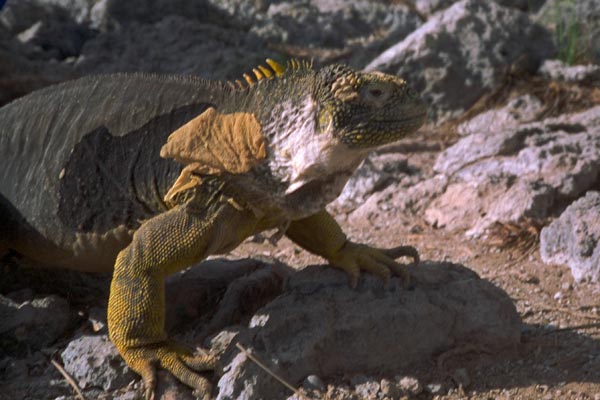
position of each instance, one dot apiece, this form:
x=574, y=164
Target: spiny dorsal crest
x=272, y=70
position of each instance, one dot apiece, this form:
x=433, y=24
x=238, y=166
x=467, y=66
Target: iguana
x=145, y=175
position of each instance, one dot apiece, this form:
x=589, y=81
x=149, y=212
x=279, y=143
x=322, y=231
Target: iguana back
x=80, y=164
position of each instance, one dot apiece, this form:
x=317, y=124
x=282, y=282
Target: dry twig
x=273, y=374
x=69, y=379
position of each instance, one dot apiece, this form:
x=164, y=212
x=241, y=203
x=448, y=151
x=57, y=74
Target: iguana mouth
x=409, y=118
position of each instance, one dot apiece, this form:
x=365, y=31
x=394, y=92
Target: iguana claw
x=174, y=358
x=353, y=258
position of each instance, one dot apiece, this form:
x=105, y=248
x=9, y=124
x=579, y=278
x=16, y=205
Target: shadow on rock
x=319, y=325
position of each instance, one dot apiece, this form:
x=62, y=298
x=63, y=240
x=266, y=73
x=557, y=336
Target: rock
x=389, y=389
x=573, y=238
x=127, y=396
x=410, y=385
x=313, y=382
x=22, y=70
x=320, y=324
x=324, y=30
x=169, y=388
x=49, y=29
x=35, y=323
x=558, y=70
x=112, y=15
x=173, y=44
x=439, y=57
x=461, y=378
x=434, y=388
x=366, y=180
x=514, y=174
x=526, y=108
x=97, y=319
x=223, y=339
x=19, y=15
x=405, y=194
x=366, y=388
x=340, y=392
x=237, y=289
x=94, y=362
x=479, y=146
x=428, y=7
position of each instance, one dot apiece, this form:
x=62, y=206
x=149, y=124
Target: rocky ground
x=500, y=192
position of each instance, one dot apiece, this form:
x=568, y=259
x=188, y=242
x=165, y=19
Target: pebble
x=410, y=385
x=314, y=382
x=389, y=389
x=434, y=388
x=566, y=286
x=558, y=295
x=365, y=387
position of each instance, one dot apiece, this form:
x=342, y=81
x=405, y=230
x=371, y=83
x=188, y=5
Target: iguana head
x=366, y=109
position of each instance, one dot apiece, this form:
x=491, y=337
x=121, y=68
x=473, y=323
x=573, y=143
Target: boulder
x=319, y=325
x=465, y=51
x=573, y=239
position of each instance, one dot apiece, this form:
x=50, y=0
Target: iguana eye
x=376, y=94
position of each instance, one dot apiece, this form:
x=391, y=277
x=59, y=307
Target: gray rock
x=573, y=239
x=320, y=324
x=95, y=362
x=523, y=109
x=509, y=175
x=479, y=146
x=130, y=395
x=47, y=28
x=324, y=30
x=173, y=44
x=35, y=323
x=19, y=15
x=365, y=181
x=410, y=385
x=434, y=388
x=313, y=382
x=366, y=388
x=463, y=52
x=389, y=389
x=406, y=194
x=428, y=7
x=558, y=70
x=461, y=378
x=110, y=15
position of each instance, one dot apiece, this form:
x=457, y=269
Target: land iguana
x=145, y=175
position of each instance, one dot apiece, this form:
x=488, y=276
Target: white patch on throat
x=299, y=154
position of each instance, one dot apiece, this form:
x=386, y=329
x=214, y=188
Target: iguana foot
x=353, y=258
x=176, y=359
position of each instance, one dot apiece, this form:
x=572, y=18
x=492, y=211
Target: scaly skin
x=294, y=138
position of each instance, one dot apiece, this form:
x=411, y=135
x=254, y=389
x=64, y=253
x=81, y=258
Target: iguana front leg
x=136, y=309
x=320, y=234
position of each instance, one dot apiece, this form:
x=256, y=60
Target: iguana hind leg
x=164, y=244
